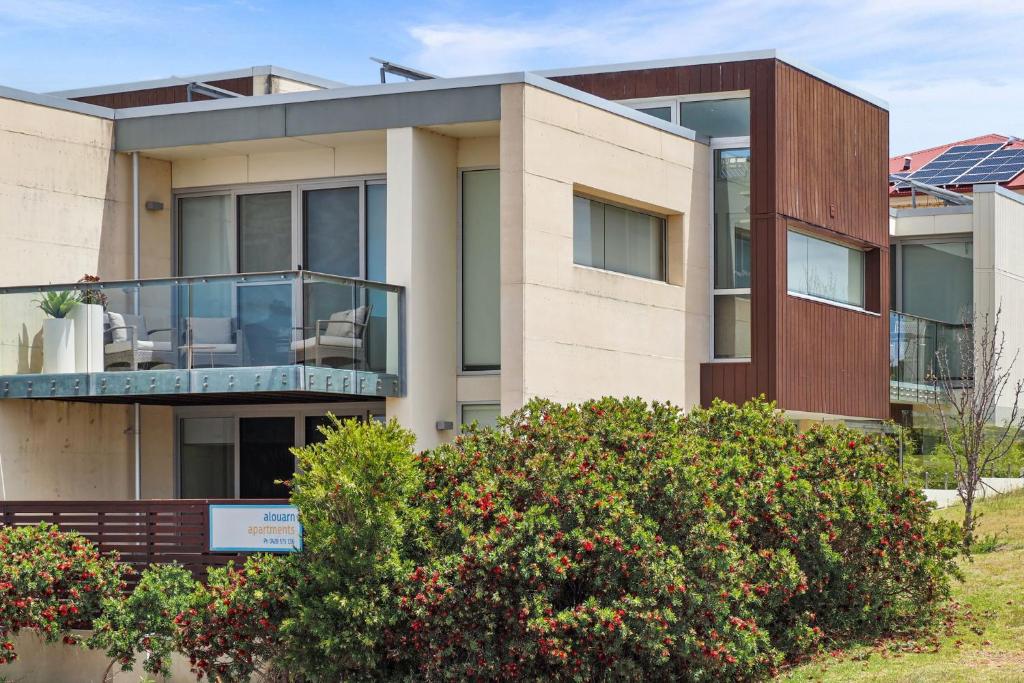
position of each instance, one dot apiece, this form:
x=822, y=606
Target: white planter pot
x=58, y=345
x=88, y=321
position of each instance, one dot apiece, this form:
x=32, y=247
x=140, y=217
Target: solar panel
x=970, y=164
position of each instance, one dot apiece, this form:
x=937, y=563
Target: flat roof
x=721, y=58
x=251, y=71
x=55, y=102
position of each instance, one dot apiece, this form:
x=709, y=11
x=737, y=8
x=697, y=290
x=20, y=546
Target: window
x=717, y=118
x=484, y=414
x=936, y=279
x=333, y=227
x=619, y=239
x=207, y=456
x=825, y=270
x=481, y=271
x=662, y=112
x=731, y=276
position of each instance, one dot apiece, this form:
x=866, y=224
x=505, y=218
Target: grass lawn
x=987, y=641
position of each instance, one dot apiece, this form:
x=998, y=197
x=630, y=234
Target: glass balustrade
x=915, y=348
x=342, y=332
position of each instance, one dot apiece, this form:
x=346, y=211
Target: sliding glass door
x=264, y=232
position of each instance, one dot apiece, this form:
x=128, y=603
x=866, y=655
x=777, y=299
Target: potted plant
x=58, y=331
x=87, y=318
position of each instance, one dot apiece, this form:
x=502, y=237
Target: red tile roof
x=922, y=157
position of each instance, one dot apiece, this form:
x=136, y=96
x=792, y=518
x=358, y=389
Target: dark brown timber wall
x=819, y=160
x=167, y=95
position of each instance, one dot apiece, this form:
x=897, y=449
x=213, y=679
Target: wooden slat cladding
x=142, y=532
x=819, y=158
x=167, y=95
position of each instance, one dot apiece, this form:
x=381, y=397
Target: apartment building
x=956, y=241
x=273, y=246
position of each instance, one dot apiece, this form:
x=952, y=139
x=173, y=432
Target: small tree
x=968, y=403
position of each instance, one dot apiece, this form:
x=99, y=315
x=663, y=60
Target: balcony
x=282, y=336
x=914, y=343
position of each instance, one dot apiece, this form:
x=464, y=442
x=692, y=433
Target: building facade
x=436, y=251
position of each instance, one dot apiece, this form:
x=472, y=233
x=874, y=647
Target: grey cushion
x=115, y=331
x=345, y=325
x=211, y=330
x=325, y=342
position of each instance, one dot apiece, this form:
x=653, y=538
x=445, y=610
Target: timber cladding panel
x=171, y=94
x=819, y=158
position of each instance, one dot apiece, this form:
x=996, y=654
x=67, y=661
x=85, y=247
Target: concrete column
x=421, y=256
x=513, y=391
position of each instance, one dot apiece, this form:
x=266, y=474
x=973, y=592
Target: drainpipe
x=136, y=274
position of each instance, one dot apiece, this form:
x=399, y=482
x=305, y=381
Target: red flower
x=588, y=546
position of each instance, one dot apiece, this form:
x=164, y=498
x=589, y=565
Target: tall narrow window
x=207, y=457
x=264, y=232
x=938, y=280
x=331, y=220
x=732, y=251
x=376, y=269
x=206, y=245
x=481, y=272
x=616, y=238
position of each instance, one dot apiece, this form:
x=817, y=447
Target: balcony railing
x=914, y=347
x=261, y=332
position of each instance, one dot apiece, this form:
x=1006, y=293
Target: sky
x=950, y=69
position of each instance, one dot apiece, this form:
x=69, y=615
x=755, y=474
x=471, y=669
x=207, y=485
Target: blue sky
x=950, y=69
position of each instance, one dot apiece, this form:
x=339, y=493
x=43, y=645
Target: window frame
x=790, y=227
x=459, y=274
x=664, y=237
x=675, y=100
x=298, y=227
x=716, y=144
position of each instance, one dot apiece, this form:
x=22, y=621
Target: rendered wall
x=571, y=332
x=64, y=212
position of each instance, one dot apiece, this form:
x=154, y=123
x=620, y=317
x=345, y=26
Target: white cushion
x=211, y=330
x=345, y=323
x=143, y=345
x=327, y=341
x=115, y=323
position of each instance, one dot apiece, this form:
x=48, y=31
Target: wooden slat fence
x=143, y=532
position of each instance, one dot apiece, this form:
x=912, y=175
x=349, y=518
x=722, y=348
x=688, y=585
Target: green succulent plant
x=58, y=304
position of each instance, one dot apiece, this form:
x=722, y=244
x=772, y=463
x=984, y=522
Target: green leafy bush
x=231, y=630
x=142, y=622
x=623, y=539
x=58, y=304
x=51, y=582
x=360, y=534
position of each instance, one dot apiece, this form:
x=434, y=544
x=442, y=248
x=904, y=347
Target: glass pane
x=484, y=414
x=732, y=326
x=376, y=232
x=314, y=422
x=206, y=244
x=265, y=232
x=588, y=232
x=331, y=220
x=616, y=239
x=207, y=457
x=664, y=113
x=732, y=218
x=265, y=324
x=481, y=269
x=938, y=280
x=796, y=262
x=717, y=118
x=264, y=456
x=835, y=272
x=646, y=245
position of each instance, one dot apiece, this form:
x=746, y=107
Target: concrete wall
x=999, y=272
x=931, y=222
x=422, y=229
x=64, y=212
x=571, y=332
x=41, y=662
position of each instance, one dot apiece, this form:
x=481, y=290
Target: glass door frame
x=298, y=412
x=298, y=228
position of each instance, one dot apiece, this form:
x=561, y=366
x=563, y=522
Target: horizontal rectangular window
x=484, y=414
x=727, y=118
x=615, y=238
x=825, y=270
x=663, y=112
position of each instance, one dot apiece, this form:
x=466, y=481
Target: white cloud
x=66, y=13
x=947, y=67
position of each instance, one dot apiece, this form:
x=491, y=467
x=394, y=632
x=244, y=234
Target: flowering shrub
x=631, y=540
x=231, y=628
x=142, y=622
x=51, y=582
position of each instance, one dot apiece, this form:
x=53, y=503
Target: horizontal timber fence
x=143, y=532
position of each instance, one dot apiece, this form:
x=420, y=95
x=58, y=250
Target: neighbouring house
x=274, y=246
x=956, y=245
